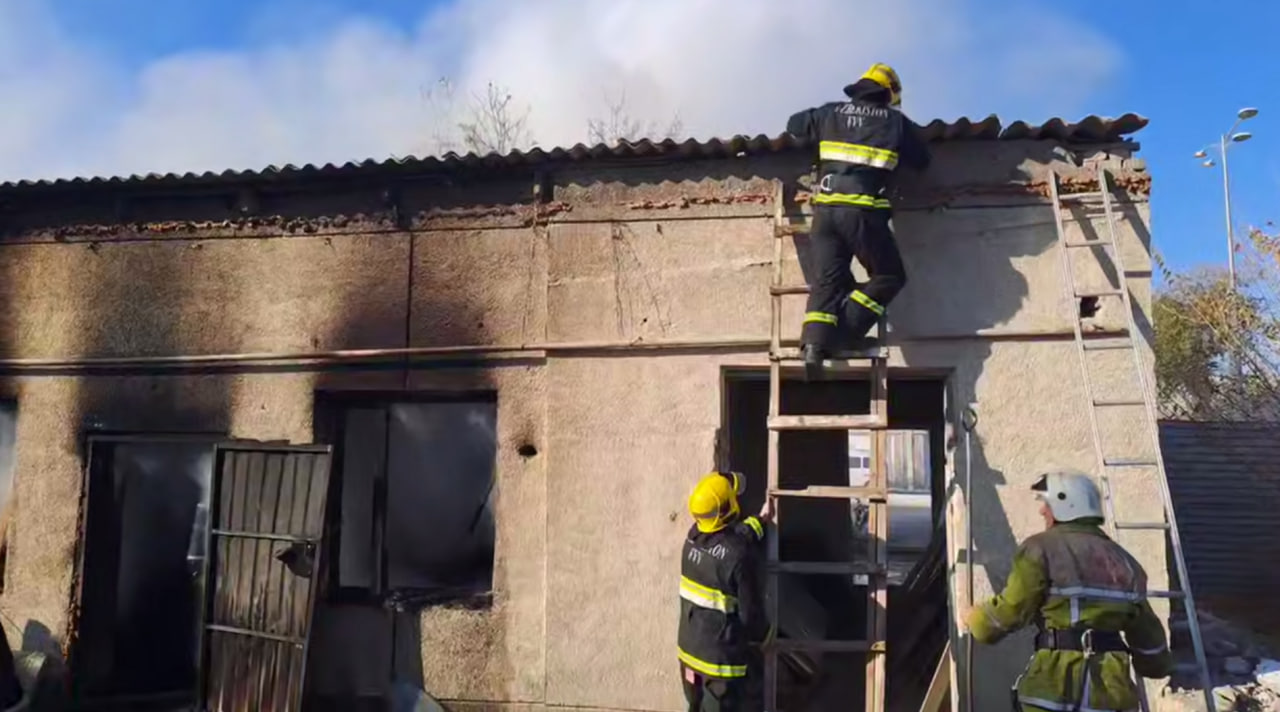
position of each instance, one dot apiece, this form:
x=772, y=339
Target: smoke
x=355, y=87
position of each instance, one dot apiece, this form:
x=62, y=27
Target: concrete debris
x=1227, y=698
x=1267, y=673
x=1245, y=676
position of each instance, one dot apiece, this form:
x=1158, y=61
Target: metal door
x=266, y=520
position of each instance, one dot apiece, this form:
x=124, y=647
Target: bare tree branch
x=619, y=125
x=493, y=125
x=488, y=123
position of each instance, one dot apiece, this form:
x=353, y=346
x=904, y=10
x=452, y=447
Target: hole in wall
x=1089, y=307
x=527, y=451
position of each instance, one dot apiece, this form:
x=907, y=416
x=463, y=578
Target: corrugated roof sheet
x=1225, y=481
x=1091, y=129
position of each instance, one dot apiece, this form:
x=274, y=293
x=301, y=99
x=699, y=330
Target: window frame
x=6, y=517
x=329, y=415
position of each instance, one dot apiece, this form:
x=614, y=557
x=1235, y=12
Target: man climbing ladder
x=861, y=142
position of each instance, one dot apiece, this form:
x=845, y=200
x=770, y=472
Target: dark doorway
x=140, y=580
x=834, y=607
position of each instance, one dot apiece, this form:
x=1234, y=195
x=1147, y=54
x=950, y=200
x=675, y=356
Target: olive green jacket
x=1073, y=575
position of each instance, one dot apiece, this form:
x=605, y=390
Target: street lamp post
x=1224, y=142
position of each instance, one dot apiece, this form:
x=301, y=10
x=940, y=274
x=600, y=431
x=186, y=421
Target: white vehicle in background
x=910, y=494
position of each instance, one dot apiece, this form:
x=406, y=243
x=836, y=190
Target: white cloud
x=356, y=89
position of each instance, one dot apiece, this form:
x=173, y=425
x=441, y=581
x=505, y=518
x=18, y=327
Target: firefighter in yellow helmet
x=1082, y=591
x=721, y=608
x=861, y=142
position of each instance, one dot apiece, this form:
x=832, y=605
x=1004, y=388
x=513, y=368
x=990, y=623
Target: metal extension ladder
x=1108, y=464
x=875, y=566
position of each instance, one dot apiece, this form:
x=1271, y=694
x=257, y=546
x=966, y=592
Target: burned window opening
x=834, y=607
x=413, y=525
x=1089, y=307
x=145, y=528
x=8, y=441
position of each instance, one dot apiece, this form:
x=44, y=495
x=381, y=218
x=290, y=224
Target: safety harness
x=1089, y=641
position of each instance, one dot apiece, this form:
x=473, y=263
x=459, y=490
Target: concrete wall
x=584, y=608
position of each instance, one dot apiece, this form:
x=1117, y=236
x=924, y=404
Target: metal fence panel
x=267, y=521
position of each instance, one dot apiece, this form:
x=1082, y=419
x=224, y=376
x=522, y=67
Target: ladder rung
x=1118, y=402
x=870, y=352
x=1063, y=197
x=828, y=646
x=1100, y=293
x=1152, y=526
x=1089, y=243
x=1112, y=344
x=785, y=289
x=827, y=422
x=829, y=567
x=1130, y=462
x=871, y=494
x=1166, y=594
x=785, y=229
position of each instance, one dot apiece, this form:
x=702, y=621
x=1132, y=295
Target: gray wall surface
x=589, y=530
x=1225, y=482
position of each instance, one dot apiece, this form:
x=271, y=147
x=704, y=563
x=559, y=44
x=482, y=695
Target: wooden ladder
x=875, y=567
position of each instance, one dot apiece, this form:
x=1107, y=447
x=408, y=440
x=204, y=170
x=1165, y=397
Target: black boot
x=859, y=322
x=813, y=358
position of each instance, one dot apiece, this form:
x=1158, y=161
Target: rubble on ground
x=1244, y=669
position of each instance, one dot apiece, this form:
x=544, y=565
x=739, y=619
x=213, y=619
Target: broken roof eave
x=1089, y=130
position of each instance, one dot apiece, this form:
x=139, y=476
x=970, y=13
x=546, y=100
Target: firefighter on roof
x=721, y=608
x=860, y=143
x=1081, y=590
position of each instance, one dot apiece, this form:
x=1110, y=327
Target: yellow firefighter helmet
x=714, y=501
x=885, y=76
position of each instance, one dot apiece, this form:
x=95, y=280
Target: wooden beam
x=940, y=686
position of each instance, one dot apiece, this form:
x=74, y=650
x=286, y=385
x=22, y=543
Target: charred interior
x=832, y=607
x=411, y=525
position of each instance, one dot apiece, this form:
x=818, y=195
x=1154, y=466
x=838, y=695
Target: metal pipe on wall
x=496, y=352
x=968, y=420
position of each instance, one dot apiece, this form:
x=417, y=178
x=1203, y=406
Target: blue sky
x=1176, y=65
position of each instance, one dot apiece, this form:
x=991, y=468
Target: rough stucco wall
x=589, y=530
x=628, y=438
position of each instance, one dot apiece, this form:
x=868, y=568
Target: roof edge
x=1088, y=130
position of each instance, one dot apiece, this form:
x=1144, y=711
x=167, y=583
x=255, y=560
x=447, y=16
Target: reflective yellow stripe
x=869, y=201
x=712, y=669
x=867, y=302
x=700, y=595
x=820, y=317
x=755, y=526
x=857, y=153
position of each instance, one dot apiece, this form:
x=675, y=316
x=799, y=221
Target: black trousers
x=713, y=694
x=10, y=688
x=838, y=307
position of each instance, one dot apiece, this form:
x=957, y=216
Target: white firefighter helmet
x=1070, y=495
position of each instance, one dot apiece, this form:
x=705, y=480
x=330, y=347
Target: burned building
x=433, y=422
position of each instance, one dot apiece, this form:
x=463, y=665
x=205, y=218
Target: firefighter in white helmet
x=1082, y=591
